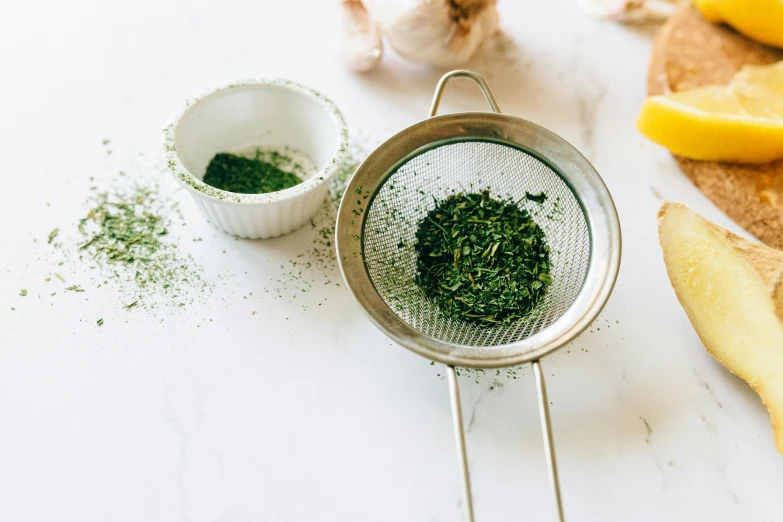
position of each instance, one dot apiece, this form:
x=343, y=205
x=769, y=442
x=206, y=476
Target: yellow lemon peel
x=739, y=122
x=760, y=20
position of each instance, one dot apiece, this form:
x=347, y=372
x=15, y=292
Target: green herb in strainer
x=482, y=259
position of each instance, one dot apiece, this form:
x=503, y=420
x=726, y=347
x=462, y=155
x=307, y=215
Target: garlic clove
x=444, y=33
x=630, y=11
x=360, y=46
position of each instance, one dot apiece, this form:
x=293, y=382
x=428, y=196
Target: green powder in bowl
x=261, y=172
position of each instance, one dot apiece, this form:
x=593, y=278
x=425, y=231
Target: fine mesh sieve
x=403, y=179
x=472, y=166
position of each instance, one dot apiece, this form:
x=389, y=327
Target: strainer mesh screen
x=470, y=166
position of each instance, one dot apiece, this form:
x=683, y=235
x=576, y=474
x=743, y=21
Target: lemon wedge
x=761, y=20
x=740, y=122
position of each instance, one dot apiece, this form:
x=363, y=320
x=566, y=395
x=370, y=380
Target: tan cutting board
x=690, y=52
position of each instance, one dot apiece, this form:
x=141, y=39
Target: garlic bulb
x=635, y=11
x=361, y=45
x=444, y=33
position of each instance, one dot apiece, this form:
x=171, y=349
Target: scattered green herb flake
x=99, y=322
x=131, y=305
x=58, y=276
x=23, y=292
x=536, y=198
x=75, y=288
x=53, y=234
x=482, y=260
x=125, y=233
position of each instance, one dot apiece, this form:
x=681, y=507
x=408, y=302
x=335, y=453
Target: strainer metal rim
x=575, y=170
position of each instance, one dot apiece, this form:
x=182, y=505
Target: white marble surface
x=305, y=412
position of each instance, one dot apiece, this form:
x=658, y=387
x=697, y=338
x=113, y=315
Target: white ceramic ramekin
x=274, y=113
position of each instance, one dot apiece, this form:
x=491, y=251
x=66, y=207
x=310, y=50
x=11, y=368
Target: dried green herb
x=536, y=198
x=58, y=276
x=23, y=292
x=53, y=234
x=126, y=231
x=99, y=322
x=120, y=227
x=131, y=305
x=243, y=175
x=481, y=259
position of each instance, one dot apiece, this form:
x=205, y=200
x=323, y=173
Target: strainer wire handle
x=549, y=444
x=546, y=428
x=462, y=73
x=462, y=452
x=451, y=372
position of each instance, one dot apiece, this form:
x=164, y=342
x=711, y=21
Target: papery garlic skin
x=444, y=33
x=630, y=11
x=360, y=45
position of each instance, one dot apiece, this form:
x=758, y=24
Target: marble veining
x=274, y=398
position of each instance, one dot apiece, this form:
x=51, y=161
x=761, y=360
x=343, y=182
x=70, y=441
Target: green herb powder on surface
x=255, y=175
x=481, y=259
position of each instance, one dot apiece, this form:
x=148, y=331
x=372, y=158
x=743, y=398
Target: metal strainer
x=398, y=184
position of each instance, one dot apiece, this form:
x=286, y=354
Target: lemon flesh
x=740, y=122
x=760, y=20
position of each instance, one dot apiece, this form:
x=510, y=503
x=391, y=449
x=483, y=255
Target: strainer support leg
x=459, y=433
x=549, y=444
